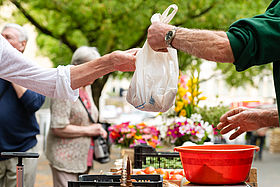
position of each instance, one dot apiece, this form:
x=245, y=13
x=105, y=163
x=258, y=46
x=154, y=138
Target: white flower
x=157, y=121
x=169, y=121
x=190, y=121
x=196, y=117
x=180, y=119
x=200, y=133
x=163, y=130
x=183, y=129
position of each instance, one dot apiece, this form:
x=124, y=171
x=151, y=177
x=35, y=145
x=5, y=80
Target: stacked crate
x=145, y=156
x=274, y=139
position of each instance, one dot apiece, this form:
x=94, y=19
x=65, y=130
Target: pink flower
x=141, y=141
x=146, y=136
x=128, y=136
x=121, y=140
x=183, y=80
x=125, y=130
x=146, y=131
x=174, y=133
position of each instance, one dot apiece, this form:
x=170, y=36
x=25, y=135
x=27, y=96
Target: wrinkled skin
x=124, y=60
x=156, y=35
x=245, y=119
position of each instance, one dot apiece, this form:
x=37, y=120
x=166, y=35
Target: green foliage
x=65, y=25
x=236, y=79
x=54, y=49
x=213, y=114
x=121, y=24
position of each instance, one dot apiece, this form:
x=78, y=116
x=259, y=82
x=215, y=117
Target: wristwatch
x=170, y=35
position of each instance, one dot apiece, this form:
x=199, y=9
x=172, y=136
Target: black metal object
x=145, y=155
x=20, y=156
x=114, y=180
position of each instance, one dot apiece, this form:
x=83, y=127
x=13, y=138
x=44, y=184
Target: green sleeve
x=256, y=41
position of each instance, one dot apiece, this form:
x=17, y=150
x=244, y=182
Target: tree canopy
x=65, y=25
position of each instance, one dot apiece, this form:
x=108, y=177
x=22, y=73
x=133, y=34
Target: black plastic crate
x=114, y=180
x=145, y=156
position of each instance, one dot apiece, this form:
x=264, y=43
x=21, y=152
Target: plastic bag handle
x=165, y=18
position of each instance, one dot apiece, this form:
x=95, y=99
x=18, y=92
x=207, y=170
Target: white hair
x=22, y=32
x=84, y=54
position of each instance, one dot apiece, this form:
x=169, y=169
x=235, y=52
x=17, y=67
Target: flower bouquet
x=192, y=129
x=188, y=95
x=127, y=135
x=186, y=123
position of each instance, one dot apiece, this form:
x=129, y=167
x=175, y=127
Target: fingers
x=101, y=131
x=124, y=60
x=162, y=50
x=230, y=117
x=156, y=36
x=229, y=128
x=222, y=125
x=236, y=134
x=228, y=114
x=104, y=133
x=233, y=119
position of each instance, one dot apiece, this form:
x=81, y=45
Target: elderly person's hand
x=96, y=129
x=244, y=119
x=124, y=60
x=156, y=36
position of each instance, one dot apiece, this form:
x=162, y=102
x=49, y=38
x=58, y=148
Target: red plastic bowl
x=217, y=164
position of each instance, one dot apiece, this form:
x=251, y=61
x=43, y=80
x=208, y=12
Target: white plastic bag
x=154, y=84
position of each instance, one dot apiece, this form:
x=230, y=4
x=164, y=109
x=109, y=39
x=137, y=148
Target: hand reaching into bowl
x=245, y=119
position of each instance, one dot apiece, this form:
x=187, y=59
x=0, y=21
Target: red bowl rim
x=218, y=148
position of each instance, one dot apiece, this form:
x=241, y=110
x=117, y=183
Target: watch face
x=168, y=35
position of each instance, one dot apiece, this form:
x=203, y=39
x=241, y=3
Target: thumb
x=133, y=51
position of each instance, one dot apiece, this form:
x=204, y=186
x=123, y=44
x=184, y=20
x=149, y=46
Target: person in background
x=258, y=138
x=18, y=125
x=248, y=42
x=69, y=142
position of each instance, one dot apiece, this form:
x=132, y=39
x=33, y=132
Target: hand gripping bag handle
x=165, y=18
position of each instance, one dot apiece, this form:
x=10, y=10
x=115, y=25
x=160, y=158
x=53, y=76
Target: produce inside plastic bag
x=154, y=83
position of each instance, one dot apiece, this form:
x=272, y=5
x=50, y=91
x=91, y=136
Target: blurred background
x=56, y=28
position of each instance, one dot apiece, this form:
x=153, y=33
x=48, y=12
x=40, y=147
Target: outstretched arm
x=59, y=82
x=206, y=44
x=85, y=74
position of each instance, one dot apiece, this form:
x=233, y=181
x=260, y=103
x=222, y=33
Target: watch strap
x=170, y=35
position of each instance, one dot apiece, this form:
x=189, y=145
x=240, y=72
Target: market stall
x=153, y=168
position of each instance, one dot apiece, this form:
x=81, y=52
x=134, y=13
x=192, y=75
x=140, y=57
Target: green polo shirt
x=256, y=41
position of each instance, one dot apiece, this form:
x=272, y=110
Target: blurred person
x=18, y=125
x=63, y=81
x=258, y=138
x=69, y=142
x=248, y=136
x=248, y=42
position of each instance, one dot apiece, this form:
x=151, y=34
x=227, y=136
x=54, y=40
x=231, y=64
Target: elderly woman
x=69, y=138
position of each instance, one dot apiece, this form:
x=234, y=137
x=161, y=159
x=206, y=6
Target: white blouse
x=51, y=82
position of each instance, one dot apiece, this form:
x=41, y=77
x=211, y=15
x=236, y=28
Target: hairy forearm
x=209, y=45
x=270, y=118
x=71, y=131
x=87, y=73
